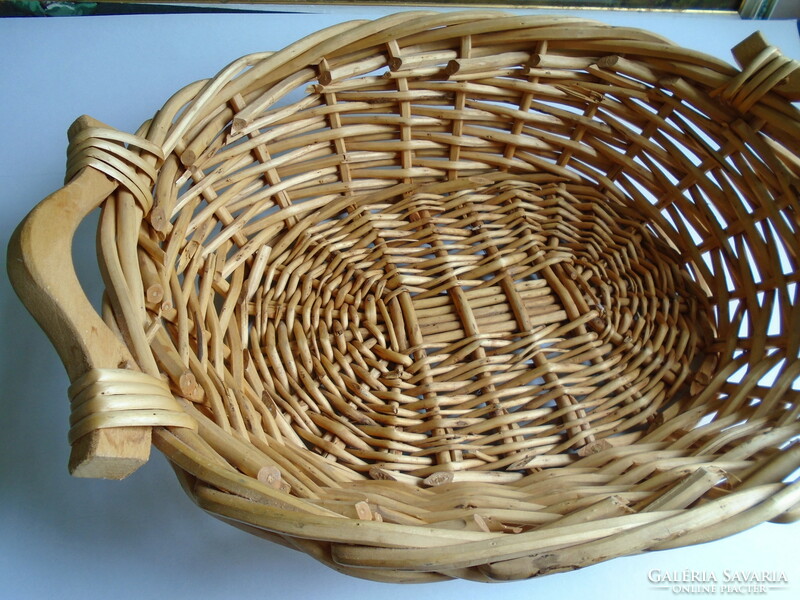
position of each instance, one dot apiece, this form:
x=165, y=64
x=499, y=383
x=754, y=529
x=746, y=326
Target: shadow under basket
x=460, y=295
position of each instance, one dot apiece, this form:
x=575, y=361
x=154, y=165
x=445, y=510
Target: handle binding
x=111, y=435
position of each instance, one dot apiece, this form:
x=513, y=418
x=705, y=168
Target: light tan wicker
x=446, y=295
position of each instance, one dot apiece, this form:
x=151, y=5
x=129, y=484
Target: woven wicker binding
x=446, y=295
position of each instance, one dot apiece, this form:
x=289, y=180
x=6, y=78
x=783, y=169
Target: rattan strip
x=103, y=149
x=105, y=398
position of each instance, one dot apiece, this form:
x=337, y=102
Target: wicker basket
x=446, y=295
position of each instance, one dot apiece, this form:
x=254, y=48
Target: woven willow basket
x=446, y=295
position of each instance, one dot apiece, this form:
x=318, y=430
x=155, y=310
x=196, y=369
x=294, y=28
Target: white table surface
x=143, y=538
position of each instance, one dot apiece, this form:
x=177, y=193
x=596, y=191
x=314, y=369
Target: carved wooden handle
x=114, y=405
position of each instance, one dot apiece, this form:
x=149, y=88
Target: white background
x=142, y=538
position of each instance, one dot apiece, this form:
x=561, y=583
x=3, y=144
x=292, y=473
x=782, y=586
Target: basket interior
x=551, y=261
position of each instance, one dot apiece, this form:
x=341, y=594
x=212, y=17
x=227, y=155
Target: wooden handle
x=41, y=271
x=787, y=75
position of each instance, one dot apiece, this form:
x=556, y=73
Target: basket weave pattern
x=462, y=295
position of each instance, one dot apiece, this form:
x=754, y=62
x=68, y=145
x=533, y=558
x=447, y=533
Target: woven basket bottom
x=494, y=323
